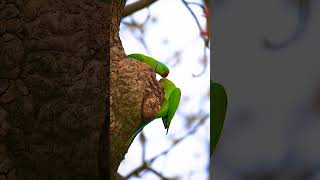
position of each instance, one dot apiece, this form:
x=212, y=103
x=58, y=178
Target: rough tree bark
x=136, y=94
x=54, y=89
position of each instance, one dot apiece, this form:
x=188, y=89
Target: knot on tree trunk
x=153, y=94
x=136, y=95
x=137, y=89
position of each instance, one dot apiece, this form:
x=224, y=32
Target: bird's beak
x=165, y=74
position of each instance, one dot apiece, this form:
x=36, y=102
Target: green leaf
x=218, y=109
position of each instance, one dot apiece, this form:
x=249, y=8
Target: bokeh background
x=167, y=31
x=272, y=128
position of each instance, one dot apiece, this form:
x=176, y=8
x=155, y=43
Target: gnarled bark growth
x=136, y=94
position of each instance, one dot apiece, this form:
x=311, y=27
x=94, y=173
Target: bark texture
x=53, y=82
x=55, y=109
x=136, y=94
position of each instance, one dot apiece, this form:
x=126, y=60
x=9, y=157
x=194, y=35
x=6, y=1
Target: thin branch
x=197, y=4
x=205, y=38
x=146, y=164
x=191, y=132
x=139, y=27
x=176, y=55
x=148, y=17
x=155, y=172
x=144, y=44
x=137, y=170
x=143, y=144
x=192, y=13
x=134, y=7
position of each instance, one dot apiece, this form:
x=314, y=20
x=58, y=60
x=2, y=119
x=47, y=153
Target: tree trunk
x=54, y=76
x=136, y=94
x=53, y=82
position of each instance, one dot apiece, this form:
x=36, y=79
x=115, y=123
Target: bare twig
x=155, y=172
x=143, y=144
x=191, y=132
x=134, y=7
x=146, y=164
x=192, y=13
x=177, y=54
x=197, y=4
x=136, y=171
x=148, y=17
x=205, y=37
x=140, y=27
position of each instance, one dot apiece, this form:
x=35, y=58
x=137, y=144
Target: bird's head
x=162, y=69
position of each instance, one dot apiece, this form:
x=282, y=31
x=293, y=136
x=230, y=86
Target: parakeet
x=218, y=109
x=158, y=67
x=168, y=107
x=171, y=102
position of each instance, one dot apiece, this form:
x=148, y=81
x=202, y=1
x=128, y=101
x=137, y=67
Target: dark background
x=272, y=126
